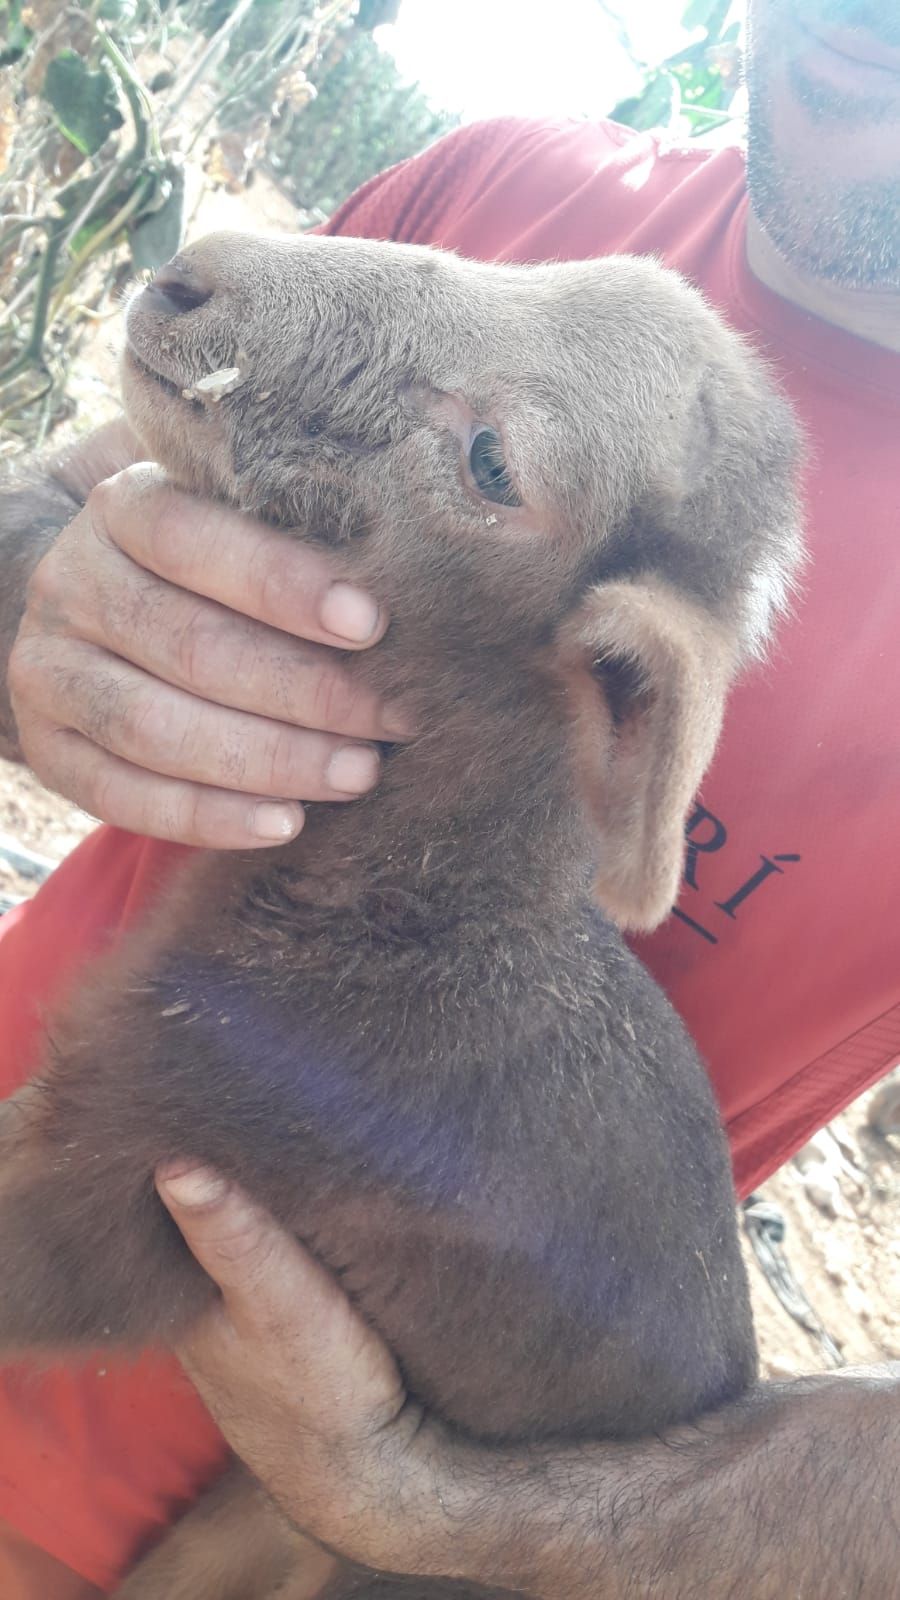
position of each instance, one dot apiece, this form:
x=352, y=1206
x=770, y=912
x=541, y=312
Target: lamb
x=415, y=1033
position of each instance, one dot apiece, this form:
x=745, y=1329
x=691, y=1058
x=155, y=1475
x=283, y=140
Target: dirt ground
x=842, y=1215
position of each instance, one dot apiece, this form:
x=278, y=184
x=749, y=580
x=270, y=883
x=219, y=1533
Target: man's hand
x=175, y=670
x=319, y=1415
x=790, y=1491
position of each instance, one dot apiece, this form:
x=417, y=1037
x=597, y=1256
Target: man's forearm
x=34, y=507
x=36, y=503
x=794, y=1491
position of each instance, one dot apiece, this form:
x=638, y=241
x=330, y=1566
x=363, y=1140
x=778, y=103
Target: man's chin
x=824, y=175
x=849, y=238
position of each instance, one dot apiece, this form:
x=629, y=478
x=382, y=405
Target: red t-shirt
x=784, y=953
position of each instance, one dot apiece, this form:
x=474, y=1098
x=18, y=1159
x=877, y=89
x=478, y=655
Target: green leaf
x=708, y=14
x=655, y=107
x=73, y=199
x=75, y=196
x=14, y=33
x=376, y=13
x=85, y=103
x=156, y=235
x=121, y=12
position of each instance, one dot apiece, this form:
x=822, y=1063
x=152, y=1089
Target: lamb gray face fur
x=363, y=367
x=410, y=1033
x=642, y=448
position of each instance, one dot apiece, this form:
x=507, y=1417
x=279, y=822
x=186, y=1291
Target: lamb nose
x=178, y=288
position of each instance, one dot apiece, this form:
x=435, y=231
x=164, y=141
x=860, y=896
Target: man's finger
x=243, y=1250
x=305, y=1390
x=75, y=686
x=215, y=551
x=129, y=797
x=199, y=645
x=277, y=1294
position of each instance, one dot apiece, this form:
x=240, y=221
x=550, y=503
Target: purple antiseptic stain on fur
x=273, y=1074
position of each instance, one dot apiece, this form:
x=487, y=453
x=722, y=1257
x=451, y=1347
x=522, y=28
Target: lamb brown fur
x=411, y=1033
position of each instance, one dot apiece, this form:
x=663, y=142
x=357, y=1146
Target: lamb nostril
x=178, y=289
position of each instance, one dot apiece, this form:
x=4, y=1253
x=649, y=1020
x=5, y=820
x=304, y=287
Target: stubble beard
x=846, y=232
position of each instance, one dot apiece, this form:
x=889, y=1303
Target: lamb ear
x=646, y=671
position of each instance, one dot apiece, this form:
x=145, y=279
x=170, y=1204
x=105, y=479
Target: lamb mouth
x=146, y=371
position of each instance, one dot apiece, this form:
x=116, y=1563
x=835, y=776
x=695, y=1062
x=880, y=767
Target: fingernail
x=276, y=822
x=353, y=769
x=198, y=1186
x=349, y=613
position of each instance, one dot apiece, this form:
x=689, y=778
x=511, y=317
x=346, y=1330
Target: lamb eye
x=489, y=469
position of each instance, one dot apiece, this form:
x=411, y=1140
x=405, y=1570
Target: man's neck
x=872, y=314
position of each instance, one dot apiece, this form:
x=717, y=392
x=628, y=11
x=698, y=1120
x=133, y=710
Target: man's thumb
x=279, y=1295
x=236, y=1242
